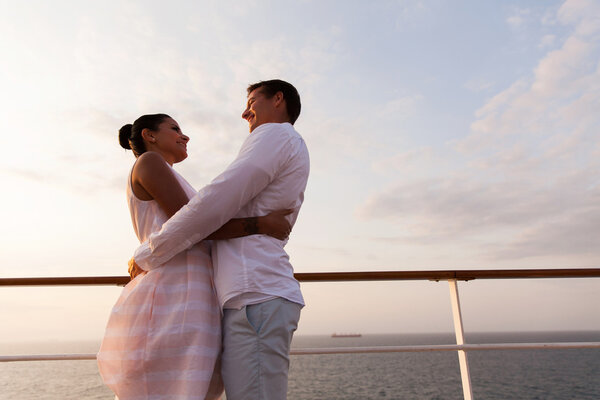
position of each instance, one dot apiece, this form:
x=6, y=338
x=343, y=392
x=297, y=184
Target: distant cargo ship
x=344, y=335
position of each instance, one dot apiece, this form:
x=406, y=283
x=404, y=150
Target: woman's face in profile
x=170, y=140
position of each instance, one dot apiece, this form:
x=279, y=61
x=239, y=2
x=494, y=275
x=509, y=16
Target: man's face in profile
x=259, y=109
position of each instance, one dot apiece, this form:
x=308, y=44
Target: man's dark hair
x=290, y=94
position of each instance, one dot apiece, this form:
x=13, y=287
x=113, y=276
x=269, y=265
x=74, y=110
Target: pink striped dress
x=163, y=337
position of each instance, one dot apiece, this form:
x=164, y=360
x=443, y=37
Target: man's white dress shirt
x=269, y=173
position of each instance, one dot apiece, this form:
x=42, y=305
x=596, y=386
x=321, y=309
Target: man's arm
x=261, y=157
x=274, y=224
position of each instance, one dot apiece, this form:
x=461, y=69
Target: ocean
x=513, y=374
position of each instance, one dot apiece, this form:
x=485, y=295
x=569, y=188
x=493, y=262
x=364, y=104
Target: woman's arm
x=152, y=179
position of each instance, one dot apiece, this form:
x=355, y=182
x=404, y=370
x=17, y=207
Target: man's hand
x=275, y=224
x=134, y=269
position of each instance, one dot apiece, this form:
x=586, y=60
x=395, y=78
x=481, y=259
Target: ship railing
x=450, y=276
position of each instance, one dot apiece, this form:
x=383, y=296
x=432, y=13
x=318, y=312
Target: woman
x=163, y=337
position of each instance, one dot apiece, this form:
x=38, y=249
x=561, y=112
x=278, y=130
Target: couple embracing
x=214, y=301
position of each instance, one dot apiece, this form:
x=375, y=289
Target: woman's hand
x=134, y=269
x=275, y=224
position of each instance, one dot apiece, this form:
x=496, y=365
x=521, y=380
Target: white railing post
x=460, y=340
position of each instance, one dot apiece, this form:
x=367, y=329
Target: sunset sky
x=442, y=134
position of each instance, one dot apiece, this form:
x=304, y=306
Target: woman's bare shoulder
x=149, y=162
x=148, y=167
x=149, y=159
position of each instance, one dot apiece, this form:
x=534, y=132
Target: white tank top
x=148, y=217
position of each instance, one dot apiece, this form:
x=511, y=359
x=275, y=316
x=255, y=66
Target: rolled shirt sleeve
x=260, y=158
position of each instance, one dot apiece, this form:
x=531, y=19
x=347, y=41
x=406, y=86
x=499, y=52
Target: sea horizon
x=555, y=374
x=9, y=347
x=385, y=333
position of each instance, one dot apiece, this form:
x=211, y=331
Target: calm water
x=514, y=374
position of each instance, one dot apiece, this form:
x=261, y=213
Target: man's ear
x=279, y=99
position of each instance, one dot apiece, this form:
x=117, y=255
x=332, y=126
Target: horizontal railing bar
x=354, y=350
x=447, y=347
x=48, y=357
x=66, y=281
x=439, y=275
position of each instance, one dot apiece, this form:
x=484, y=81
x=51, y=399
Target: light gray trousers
x=256, y=348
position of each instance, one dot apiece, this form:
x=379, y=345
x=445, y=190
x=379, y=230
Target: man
x=261, y=300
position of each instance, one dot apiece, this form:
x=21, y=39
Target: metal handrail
x=452, y=276
x=434, y=275
x=353, y=350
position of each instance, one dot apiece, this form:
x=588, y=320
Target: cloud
x=136, y=65
x=503, y=220
x=479, y=84
x=518, y=18
x=410, y=12
x=583, y=13
x=462, y=203
x=569, y=233
x=405, y=161
x=528, y=183
x=90, y=178
x=400, y=108
x=547, y=41
x=28, y=174
x=533, y=106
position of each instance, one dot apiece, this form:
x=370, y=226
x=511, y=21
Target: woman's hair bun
x=125, y=135
x=130, y=136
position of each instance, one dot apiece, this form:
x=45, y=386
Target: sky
x=442, y=134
